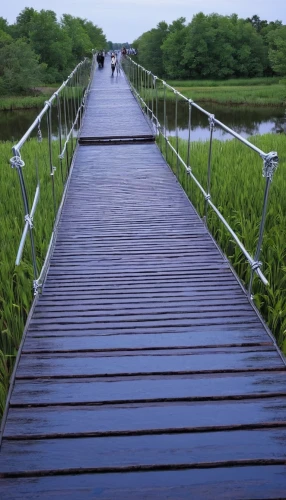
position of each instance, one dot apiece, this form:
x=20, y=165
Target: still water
x=245, y=120
x=14, y=124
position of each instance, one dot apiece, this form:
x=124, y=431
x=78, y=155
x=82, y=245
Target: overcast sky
x=126, y=20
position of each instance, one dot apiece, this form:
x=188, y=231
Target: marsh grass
x=233, y=82
x=256, y=92
x=23, y=102
x=16, y=293
x=237, y=189
x=10, y=103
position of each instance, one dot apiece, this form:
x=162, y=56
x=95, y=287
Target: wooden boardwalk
x=146, y=372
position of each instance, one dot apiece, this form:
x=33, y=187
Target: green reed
x=237, y=189
x=256, y=95
x=16, y=292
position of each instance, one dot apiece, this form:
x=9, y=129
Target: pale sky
x=125, y=20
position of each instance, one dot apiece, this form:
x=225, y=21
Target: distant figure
x=118, y=71
x=113, y=63
x=123, y=51
x=100, y=59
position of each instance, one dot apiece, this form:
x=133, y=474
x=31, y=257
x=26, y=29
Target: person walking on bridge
x=113, y=63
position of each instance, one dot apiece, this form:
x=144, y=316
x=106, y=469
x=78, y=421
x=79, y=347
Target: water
x=245, y=120
x=14, y=124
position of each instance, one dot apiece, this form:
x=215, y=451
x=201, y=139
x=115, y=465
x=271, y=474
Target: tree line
x=38, y=48
x=214, y=47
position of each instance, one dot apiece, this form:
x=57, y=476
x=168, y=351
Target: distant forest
x=214, y=47
x=40, y=49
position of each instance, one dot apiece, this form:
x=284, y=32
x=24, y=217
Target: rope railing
x=145, y=86
x=63, y=111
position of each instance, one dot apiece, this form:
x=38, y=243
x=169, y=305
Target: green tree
x=4, y=25
x=218, y=47
x=52, y=44
x=209, y=51
x=5, y=38
x=257, y=23
x=277, y=50
x=172, y=50
x=251, y=56
x=149, y=47
x=81, y=44
x=267, y=41
x=22, y=27
x=19, y=68
x=96, y=35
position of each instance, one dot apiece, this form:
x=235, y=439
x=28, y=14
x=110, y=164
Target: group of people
x=115, y=58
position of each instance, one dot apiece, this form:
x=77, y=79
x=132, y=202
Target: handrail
x=145, y=83
x=79, y=79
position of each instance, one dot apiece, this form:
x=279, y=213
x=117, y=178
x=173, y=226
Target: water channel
x=245, y=120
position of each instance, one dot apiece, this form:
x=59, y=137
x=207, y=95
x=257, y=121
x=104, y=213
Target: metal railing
x=145, y=86
x=64, y=110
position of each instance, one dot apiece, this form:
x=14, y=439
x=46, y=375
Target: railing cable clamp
x=17, y=162
x=256, y=265
x=270, y=164
x=29, y=219
x=36, y=286
x=211, y=119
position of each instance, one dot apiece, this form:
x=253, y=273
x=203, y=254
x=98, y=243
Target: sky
x=125, y=20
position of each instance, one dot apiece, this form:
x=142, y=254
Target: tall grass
x=16, y=282
x=23, y=102
x=260, y=95
x=232, y=82
x=237, y=189
x=9, y=103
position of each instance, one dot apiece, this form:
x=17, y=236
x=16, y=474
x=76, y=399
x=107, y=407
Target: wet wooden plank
x=145, y=326
x=173, y=302
x=210, y=338
x=143, y=329
x=152, y=388
x=134, y=451
x=113, y=310
x=154, y=362
x=144, y=418
x=148, y=318
x=238, y=483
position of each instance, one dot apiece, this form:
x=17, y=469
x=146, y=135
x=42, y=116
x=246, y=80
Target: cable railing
x=54, y=131
x=149, y=90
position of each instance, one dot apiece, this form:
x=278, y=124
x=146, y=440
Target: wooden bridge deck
x=146, y=372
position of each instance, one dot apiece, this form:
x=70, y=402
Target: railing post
x=165, y=121
x=189, y=145
x=212, y=124
x=270, y=164
x=17, y=162
x=60, y=133
x=52, y=168
x=152, y=85
x=177, y=136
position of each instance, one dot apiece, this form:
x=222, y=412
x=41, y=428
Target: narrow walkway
x=146, y=373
